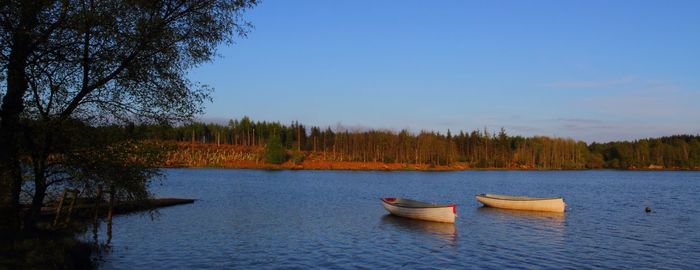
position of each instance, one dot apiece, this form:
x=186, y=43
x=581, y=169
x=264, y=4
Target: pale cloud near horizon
x=625, y=108
x=632, y=98
x=592, y=83
x=637, y=109
x=584, y=124
x=579, y=120
x=647, y=101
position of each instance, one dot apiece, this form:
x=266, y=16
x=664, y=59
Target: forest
x=475, y=149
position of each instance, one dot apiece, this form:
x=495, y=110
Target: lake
x=333, y=219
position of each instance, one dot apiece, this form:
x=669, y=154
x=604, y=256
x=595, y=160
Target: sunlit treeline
x=478, y=148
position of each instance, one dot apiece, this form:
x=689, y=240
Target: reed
x=209, y=155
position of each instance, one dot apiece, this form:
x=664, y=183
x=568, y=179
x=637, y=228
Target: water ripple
x=333, y=220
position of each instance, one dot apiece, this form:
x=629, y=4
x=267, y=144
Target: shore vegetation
x=241, y=143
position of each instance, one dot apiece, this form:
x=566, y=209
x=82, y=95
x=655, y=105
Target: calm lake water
x=333, y=219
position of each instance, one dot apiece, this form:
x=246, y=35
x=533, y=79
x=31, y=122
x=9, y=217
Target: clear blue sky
x=589, y=70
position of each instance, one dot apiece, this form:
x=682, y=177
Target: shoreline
x=389, y=167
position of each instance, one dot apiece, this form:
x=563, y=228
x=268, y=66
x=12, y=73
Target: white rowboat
x=522, y=202
x=420, y=210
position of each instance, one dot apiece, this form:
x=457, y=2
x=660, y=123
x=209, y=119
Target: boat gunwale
x=428, y=205
x=521, y=199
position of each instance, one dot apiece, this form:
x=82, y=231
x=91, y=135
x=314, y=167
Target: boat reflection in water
x=445, y=231
x=551, y=222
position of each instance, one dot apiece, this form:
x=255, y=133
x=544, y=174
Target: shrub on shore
x=47, y=250
x=274, y=151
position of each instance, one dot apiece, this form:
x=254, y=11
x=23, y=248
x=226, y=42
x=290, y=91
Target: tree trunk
x=40, y=186
x=32, y=216
x=12, y=107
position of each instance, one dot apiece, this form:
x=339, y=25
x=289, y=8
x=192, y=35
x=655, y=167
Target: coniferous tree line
x=477, y=149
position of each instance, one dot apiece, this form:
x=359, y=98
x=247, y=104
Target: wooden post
x=60, y=205
x=109, y=214
x=98, y=199
x=76, y=193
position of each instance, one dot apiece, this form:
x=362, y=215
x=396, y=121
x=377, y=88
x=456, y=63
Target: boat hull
x=445, y=213
x=522, y=203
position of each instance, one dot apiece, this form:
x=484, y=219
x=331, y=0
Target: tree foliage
x=74, y=65
x=274, y=151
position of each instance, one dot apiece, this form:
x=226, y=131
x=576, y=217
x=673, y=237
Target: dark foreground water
x=248, y=219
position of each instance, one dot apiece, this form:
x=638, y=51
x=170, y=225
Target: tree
x=97, y=62
x=274, y=151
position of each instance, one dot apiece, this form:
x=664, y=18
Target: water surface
x=333, y=219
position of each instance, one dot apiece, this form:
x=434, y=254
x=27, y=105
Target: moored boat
x=555, y=204
x=420, y=210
